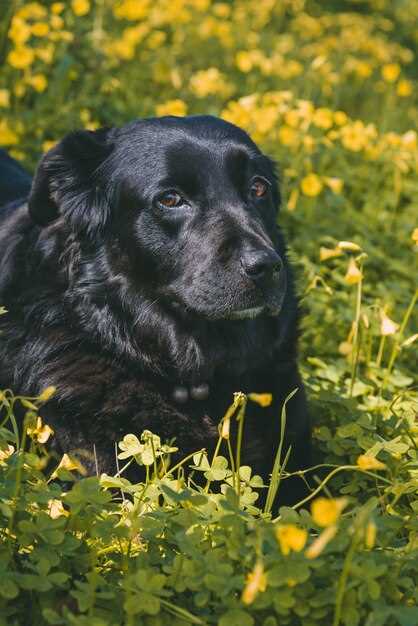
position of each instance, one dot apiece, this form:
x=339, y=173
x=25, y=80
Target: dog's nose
x=261, y=264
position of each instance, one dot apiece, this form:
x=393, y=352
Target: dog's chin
x=216, y=314
x=268, y=306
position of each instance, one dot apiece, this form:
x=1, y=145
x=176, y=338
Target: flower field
x=328, y=89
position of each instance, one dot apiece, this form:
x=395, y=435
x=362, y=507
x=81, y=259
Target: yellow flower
x=244, y=61
x=39, y=432
x=263, y=399
x=340, y=118
x=47, y=394
x=70, y=464
x=409, y=140
x=323, y=118
x=354, y=136
x=335, y=184
x=348, y=246
x=390, y=72
x=353, y=275
x=256, y=582
x=208, y=82
x=287, y=136
x=47, y=145
x=19, y=31
x=225, y=427
x=7, y=136
x=345, y=348
x=221, y=9
x=387, y=326
x=290, y=537
x=32, y=11
x=57, y=23
x=21, y=57
x=40, y=29
x=404, y=88
x=131, y=9
x=329, y=253
x=56, y=509
x=172, y=107
x=38, y=82
x=311, y=185
x=6, y=452
x=321, y=542
x=308, y=143
x=45, y=53
x=293, y=199
x=57, y=7
x=414, y=236
x=363, y=69
x=292, y=118
x=80, y=7
x=368, y=462
x=370, y=535
x=4, y=98
x=325, y=512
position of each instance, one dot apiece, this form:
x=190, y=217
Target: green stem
x=328, y=478
x=381, y=349
x=342, y=583
x=183, y=461
x=396, y=347
x=356, y=347
x=215, y=454
x=240, y=420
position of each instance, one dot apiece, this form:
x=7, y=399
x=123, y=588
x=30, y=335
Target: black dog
x=147, y=280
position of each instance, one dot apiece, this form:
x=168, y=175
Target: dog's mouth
x=267, y=309
x=267, y=302
x=253, y=312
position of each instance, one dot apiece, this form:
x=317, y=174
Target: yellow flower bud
x=328, y=253
x=353, y=275
x=47, y=394
x=263, y=399
x=370, y=535
x=368, y=462
x=348, y=246
x=256, y=582
x=387, y=326
x=321, y=542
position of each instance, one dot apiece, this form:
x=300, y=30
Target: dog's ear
x=70, y=182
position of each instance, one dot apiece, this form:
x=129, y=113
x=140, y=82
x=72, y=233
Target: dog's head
x=186, y=209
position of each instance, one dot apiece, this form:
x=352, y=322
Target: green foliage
x=328, y=89
x=172, y=550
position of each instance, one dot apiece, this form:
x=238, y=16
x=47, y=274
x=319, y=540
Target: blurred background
x=328, y=89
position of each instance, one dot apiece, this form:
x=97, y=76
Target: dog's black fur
x=135, y=267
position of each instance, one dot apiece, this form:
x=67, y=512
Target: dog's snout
x=261, y=264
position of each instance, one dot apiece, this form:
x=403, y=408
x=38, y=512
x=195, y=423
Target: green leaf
x=8, y=589
x=236, y=617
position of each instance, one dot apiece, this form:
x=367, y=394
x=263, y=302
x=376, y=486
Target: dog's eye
x=170, y=199
x=259, y=187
